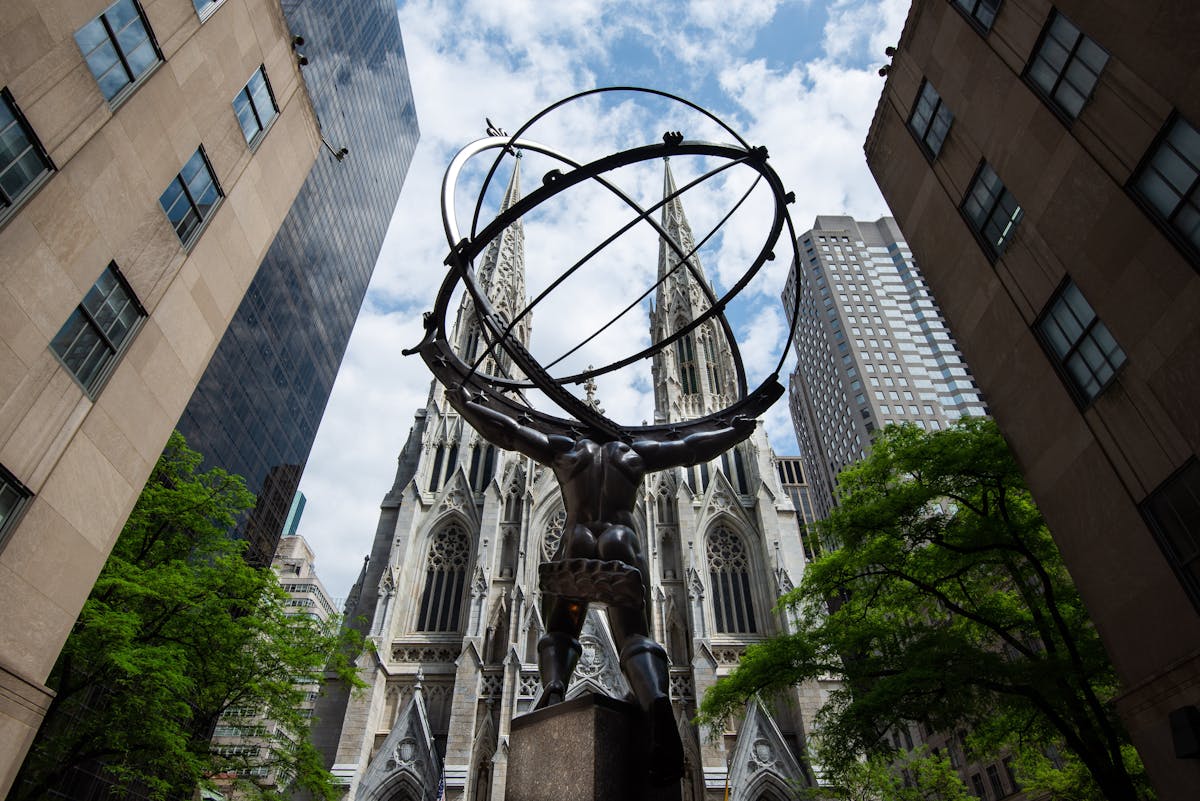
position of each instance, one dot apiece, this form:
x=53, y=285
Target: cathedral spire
x=695, y=376
x=501, y=277
x=502, y=274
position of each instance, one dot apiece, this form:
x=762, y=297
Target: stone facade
x=79, y=455
x=1084, y=154
x=467, y=525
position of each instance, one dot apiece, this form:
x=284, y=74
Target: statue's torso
x=599, y=483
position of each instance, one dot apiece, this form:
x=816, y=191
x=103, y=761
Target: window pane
x=1069, y=99
x=1157, y=192
x=245, y=116
x=120, y=14
x=91, y=36
x=1186, y=140
x=1079, y=307
x=1172, y=167
x=142, y=59
x=131, y=36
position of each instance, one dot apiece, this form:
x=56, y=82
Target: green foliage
x=177, y=629
x=946, y=601
x=917, y=775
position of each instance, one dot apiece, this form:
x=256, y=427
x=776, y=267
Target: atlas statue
x=598, y=463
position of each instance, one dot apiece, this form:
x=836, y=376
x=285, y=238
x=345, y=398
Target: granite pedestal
x=591, y=748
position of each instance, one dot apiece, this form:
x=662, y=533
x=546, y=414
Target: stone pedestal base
x=588, y=749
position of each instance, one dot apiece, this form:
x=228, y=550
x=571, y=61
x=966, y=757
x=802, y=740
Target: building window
x=991, y=210
x=1066, y=66
x=930, y=120
x=205, y=8
x=118, y=47
x=13, y=498
x=981, y=13
x=22, y=160
x=99, y=329
x=977, y=785
x=665, y=503
x=729, y=571
x=255, y=106
x=191, y=197
x=1169, y=183
x=687, y=365
x=714, y=370
x=512, y=505
x=552, y=534
x=993, y=775
x=1080, y=343
x=1173, y=511
x=445, y=579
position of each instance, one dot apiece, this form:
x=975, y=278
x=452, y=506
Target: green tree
x=177, y=630
x=916, y=775
x=944, y=600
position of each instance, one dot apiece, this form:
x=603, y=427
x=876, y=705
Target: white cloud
x=506, y=61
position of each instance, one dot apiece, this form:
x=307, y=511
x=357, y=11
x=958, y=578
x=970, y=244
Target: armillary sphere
x=504, y=392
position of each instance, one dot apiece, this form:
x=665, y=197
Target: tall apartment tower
x=872, y=348
x=258, y=406
x=450, y=587
x=151, y=151
x=1045, y=164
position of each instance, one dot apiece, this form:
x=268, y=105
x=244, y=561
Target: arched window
x=472, y=344
x=714, y=368
x=476, y=454
x=489, y=465
x=553, y=534
x=445, y=577
x=686, y=352
x=665, y=505
x=729, y=571
x=483, y=465
x=512, y=505
x=435, y=473
x=739, y=465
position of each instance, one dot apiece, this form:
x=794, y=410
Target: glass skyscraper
x=257, y=408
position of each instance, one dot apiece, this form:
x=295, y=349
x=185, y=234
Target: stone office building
x=1044, y=162
x=150, y=153
x=450, y=588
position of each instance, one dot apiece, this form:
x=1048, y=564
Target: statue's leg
x=644, y=661
x=558, y=649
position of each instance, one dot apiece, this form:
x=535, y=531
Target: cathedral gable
x=406, y=758
x=762, y=759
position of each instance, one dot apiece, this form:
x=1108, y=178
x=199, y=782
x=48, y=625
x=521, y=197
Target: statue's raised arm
x=504, y=430
x=694, y=448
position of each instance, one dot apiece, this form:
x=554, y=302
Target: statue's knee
x=620, y=543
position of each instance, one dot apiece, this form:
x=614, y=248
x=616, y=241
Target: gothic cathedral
x=449, y=592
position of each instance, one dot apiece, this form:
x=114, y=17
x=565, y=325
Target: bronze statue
x=599, y=483
x=599, y=462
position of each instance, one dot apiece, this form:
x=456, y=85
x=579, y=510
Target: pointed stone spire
x=502, y=273
x=695, y=376
x=675, y=223
x=501, y=277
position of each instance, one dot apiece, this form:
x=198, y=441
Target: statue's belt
x=614, y=583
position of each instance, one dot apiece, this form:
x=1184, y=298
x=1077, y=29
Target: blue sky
x=798, y=77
